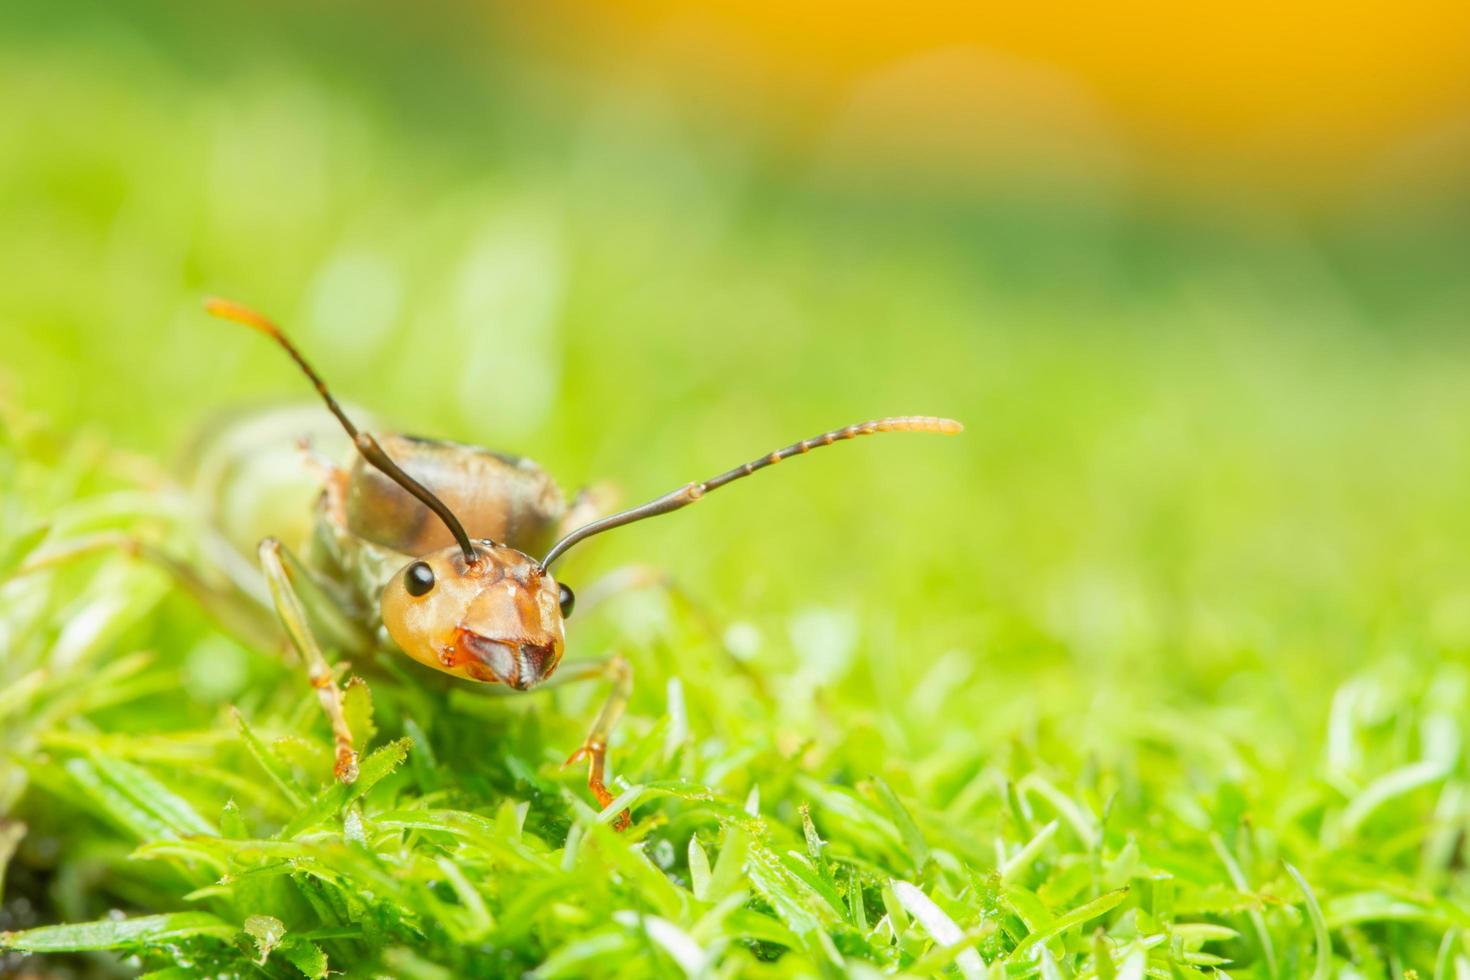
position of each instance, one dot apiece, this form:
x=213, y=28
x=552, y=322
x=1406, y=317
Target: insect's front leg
x=619, y=673
x=288, y=580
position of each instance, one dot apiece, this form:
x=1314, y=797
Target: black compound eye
x=568, y=601
x=418, y=579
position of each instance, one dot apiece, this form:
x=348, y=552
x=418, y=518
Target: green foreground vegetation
x=1158, y=670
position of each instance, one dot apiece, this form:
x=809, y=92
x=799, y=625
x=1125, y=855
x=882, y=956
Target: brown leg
x=594, y=747
x=293, y=617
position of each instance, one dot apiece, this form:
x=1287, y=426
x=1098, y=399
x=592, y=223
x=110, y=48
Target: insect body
x=504, y=498
x=429, y=548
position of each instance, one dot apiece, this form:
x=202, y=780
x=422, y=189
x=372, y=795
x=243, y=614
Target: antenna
x=365, y=443
x=691, y=492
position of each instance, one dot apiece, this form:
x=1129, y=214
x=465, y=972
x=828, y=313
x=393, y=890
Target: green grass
x=1159, y=669
x=824, y=805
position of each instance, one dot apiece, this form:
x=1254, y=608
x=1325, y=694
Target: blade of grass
x=1098, y=906
x=1319, y=926
x=148, y=930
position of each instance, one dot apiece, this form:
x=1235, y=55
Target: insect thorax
x=507, y=499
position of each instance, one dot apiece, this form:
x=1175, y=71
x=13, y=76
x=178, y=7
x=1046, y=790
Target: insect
x=429, y=547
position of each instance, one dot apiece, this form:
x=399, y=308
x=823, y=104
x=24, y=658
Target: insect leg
x=337, y=627
x=292, y=612
x=334, y=480
x=594, y=748
x=224, y=596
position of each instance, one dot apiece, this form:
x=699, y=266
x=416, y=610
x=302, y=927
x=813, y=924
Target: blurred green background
x=1167, y=389
x=1217, y=456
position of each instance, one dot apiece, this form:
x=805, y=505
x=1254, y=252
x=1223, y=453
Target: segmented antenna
x=691, y=492
x=365, y=443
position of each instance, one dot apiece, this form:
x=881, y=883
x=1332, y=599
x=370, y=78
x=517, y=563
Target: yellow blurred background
x=1324, y=101
x=1056, y=223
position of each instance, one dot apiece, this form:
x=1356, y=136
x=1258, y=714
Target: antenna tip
x=915, y=423
x=220, y=307
x=230, y=310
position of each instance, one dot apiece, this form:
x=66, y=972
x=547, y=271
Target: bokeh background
x=1197, y=281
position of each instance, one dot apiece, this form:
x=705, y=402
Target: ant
x=428, y=547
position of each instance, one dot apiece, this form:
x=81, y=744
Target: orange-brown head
x=499, y=619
